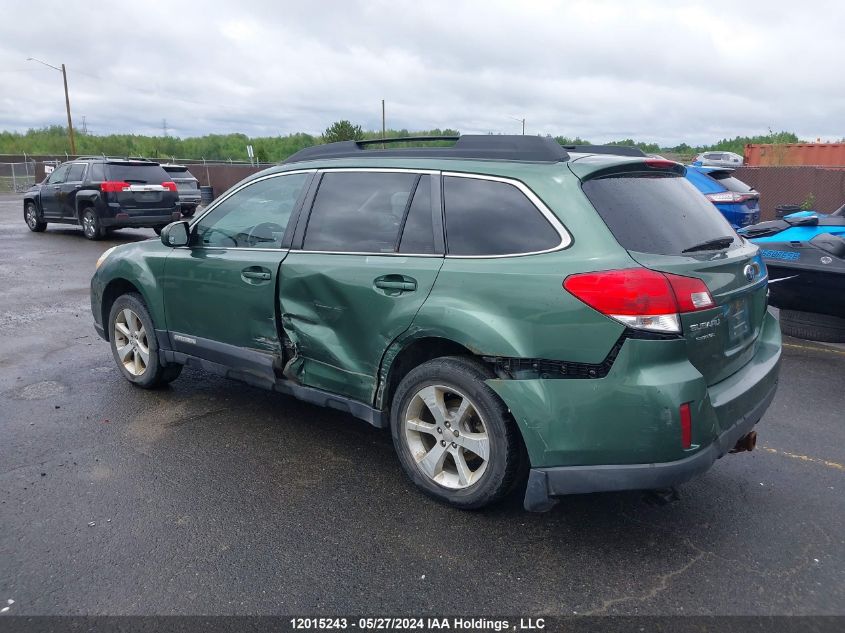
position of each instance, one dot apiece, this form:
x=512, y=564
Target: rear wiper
x=717, y=243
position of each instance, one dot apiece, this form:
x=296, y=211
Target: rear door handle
x=396, y=282
x=257, y=273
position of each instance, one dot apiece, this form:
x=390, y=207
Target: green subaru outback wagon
x=516, y=314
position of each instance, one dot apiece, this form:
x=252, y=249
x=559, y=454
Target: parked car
x=739, y=203
x=501, y=305
x=100, y=193
x=718, y=159
x=187, y=186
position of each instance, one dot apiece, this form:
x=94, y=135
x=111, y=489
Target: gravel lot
x=211, y=497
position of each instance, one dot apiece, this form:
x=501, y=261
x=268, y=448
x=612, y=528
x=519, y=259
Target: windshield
x=660, y=214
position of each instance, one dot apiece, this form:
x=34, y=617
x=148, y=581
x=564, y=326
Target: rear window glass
x=179, y=173
x=486, y=217
x=656, y=214
x=729, y=182
x=148, y=174
x=713, y=156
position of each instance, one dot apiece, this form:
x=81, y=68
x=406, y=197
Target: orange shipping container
x=791, y=154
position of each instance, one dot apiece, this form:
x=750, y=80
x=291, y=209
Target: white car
x=718, y=159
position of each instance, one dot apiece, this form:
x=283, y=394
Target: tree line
x=52, y=140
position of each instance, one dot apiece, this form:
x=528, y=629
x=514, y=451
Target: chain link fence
x=17, y=177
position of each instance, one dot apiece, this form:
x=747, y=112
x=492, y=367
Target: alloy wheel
x=447, y=437
x=89, y=225
x=130, y=340
x=29, y=216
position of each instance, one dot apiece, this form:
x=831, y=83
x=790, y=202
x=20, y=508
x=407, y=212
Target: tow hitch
x=746, y=443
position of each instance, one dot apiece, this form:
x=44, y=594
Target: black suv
x=101, y=193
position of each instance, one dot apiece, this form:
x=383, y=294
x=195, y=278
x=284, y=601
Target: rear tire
x=454, y=437
x=91, y=227
x=158, y=229
x=33, y=218
x=188, y=212
x=812, y=326
x=134, y=345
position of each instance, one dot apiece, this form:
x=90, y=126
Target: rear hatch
x=185, y=181
x=666, y=225
x=140, y=187
x=738, y=198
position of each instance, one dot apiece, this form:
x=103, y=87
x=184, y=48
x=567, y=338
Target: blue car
x=738, y=202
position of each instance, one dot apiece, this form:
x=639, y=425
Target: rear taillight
x=660, y=163
x=686, y=426
x=730, y=196
x=169, y=185
x=641, y=298
x=114, y=186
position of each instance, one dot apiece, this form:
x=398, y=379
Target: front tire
x=454, y=437
x=134, y=345
x=91, y=226
x=33, y=219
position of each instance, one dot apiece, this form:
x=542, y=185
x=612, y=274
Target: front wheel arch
x=114, y=289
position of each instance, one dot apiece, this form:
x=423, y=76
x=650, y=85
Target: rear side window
x=655, y=214
x=359, y=211
x=418, y=233
x=96, y=172
x=141, y=174
x=487, y=217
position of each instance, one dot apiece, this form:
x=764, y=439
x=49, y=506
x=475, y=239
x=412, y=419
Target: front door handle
x=256, y=273
x=396, y=283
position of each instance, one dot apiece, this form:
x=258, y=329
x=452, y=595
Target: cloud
x=601, y=69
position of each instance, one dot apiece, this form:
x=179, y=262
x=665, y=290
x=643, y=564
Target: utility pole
x=382, y=124
x=67, y=101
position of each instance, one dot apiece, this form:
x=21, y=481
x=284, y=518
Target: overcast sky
x=666, y=71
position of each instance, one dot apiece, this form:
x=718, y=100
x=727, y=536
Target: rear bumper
x=545, y=483
x=623, y=431
x=165, y=216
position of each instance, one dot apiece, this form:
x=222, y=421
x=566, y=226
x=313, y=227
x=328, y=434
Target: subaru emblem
x=750, y=272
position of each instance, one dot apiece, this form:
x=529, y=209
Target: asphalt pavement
x=212, y=497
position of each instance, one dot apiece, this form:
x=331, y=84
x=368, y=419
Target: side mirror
x=175, y=234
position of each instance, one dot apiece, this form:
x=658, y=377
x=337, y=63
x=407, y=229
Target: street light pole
x=522, y=120
x=70, y=122
x=70, y=135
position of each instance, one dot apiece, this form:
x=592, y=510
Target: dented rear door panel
x=340, y=323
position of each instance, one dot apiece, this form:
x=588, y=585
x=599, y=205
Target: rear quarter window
x=488, y=217
x=659, y=214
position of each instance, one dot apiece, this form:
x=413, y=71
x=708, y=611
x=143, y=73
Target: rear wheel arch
x=409, y=355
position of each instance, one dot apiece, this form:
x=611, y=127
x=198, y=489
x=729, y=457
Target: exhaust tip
x=746, y=443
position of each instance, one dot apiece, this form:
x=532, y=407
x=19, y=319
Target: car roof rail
x=618, y=150
x=468, y=146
